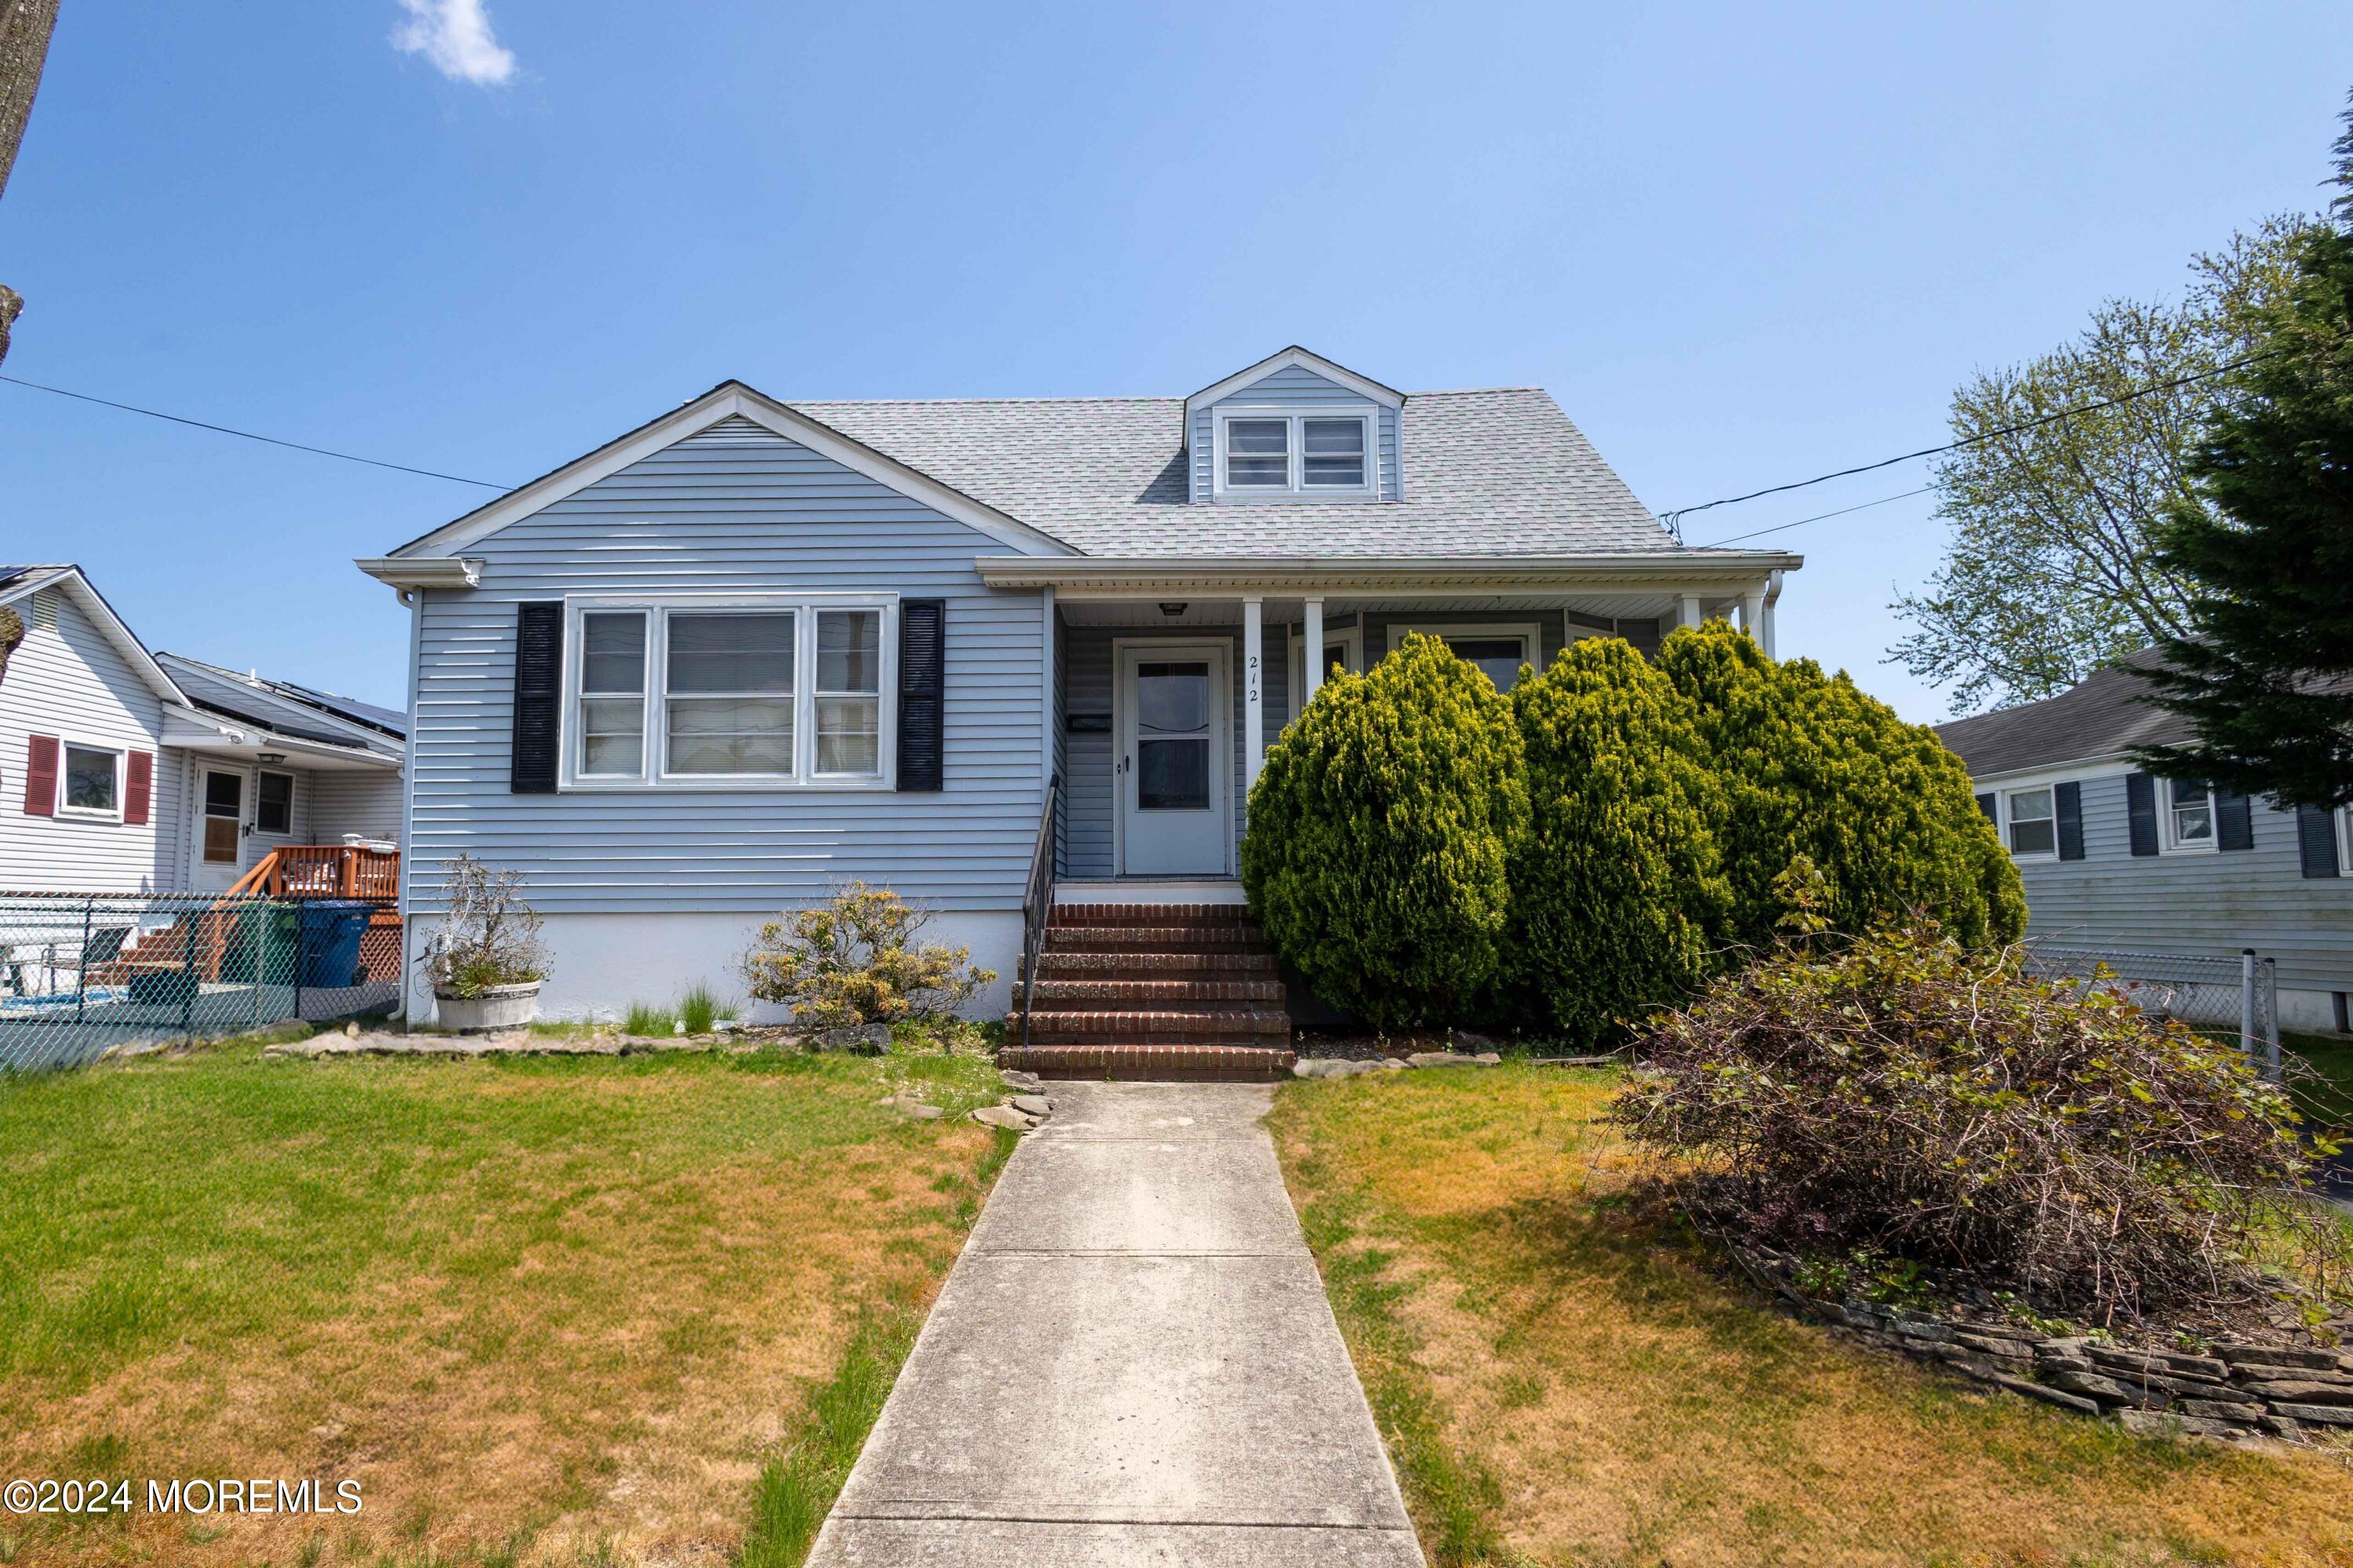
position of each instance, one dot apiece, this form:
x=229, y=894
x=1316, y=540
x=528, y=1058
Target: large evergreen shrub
x=1379, y=832
x=1617, y=898
x=1812, y=767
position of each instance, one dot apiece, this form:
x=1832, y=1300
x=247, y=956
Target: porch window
x=273, y=804
x=2033, y=824
x=1497, y=650
x=92, y=781
x=729, y=695
x=735, y=691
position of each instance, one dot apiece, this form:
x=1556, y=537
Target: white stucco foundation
x=602, y=963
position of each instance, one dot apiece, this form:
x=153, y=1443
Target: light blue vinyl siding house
x=755, y=648
x=2114, y=861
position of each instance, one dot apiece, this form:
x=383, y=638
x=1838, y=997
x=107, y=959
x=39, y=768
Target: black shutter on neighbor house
x=2140, y=811
x=2315, y=841
x=1985, y=804
x=922, y=690
x=538, y=696
x=2067, y=805
x=2234, y=821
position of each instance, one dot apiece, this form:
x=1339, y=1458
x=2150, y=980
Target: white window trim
x=122, y=781
x=1527, y=630
x=2002, y=800
x=653, y=759
x=2345, y=841
x=2167, y=843
x=1353, y=662
x=1299, y=489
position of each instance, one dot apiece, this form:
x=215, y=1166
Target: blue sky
x=1739, y=244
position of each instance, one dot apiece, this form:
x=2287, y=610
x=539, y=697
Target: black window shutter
x=1985, y=804
x=2067, y=804
x=923, y=690
x=2234, y=821
x=2140, y=810
x=538, y=696
x=2315, y=841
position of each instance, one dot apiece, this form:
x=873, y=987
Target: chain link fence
x=81, y=974
x=2208, y=991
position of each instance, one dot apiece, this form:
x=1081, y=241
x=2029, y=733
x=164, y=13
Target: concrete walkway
x=1133, y=1362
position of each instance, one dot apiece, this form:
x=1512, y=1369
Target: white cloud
x=455, y=35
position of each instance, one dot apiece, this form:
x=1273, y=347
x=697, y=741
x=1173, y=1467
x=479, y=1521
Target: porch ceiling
x=1227, y=611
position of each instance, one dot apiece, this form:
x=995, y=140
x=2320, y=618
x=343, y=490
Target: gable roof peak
x=1307, y=358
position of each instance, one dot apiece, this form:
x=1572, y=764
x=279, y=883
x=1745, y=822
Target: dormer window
x=1268, y=452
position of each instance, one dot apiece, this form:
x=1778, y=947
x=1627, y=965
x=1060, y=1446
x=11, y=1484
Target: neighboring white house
x=123, y=771
x=2114, y=860
x=755, y=647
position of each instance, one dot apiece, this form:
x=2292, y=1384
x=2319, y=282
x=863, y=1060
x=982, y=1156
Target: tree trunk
x=25, y=28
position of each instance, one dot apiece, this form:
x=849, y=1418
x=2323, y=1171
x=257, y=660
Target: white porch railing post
x=1253, y=693
x=1312, y=652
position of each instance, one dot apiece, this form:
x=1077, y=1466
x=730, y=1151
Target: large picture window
x=756, y=690
x=1497, y=650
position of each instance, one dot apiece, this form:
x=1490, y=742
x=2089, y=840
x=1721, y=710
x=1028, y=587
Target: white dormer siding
x=1293, y=388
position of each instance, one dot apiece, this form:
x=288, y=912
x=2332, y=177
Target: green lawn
x=1563, y=1379
x=543, y=1311
x=2324, y=1087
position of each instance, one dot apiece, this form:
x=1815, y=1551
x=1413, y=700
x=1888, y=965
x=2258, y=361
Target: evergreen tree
x=2266, y=677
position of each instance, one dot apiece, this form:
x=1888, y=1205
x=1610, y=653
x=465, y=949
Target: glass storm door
x=220, y=828
x=1175, y=753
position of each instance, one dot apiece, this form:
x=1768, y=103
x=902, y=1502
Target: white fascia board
x=217, y=731
x=92, y=604
x=729, y=400
x=2109, y=764
x=1363, y=387
x=406, y=572
x=1078, y=575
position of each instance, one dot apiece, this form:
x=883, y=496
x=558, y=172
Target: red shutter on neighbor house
x=41, y=776
x=138, y=787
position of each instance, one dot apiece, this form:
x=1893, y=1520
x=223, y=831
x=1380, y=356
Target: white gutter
x=423, y=571
x=1681, y=570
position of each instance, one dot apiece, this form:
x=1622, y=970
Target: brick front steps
x=1173, y=992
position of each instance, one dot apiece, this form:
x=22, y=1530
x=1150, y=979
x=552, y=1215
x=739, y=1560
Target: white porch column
x=1253, y=691
x=1691, y=610
x=1046, y=691
x=1752, y=615
x=1772, y=592
x=1313, y=651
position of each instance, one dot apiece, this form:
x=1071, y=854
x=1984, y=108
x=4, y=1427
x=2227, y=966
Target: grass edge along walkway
x=797, y=1486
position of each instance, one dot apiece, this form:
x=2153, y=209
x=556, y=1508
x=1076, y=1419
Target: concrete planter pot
x=495, y=1007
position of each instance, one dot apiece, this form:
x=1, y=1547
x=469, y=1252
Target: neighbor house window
x=613, y=694
x=1267, y=452
x=2189, y=816
x=1498, y=651
x=2033, y=825
x=753, y=691
x=92, y=781
x=273, y=804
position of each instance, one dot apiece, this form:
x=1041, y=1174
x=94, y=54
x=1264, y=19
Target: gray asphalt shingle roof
x=1495, y=472
x=2100, y=716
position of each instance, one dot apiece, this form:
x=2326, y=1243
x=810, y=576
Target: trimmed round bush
x=1617, y=897
x=1379, y=829
x=1812, y=767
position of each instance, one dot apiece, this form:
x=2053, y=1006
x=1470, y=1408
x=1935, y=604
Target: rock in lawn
x=922, y=1112
x=1396, y=1064
x=1436, y=1059
x=1308, y=1067
x=1036, y=1105
x=1029, y=1083
x=871, y=1038
x=1005, y=1115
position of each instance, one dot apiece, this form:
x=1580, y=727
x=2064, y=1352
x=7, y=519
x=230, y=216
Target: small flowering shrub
x=855, y=960
x=1904, y=1097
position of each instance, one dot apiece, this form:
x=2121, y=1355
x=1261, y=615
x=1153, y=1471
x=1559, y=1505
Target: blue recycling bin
x=327, y=947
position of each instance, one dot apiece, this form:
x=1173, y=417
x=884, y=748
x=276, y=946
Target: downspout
x=1772, y=593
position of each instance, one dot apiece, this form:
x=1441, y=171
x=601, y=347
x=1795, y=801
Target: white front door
x=219, y=852
x=1175, y=758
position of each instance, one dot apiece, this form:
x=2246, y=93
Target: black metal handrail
x=1038, y=901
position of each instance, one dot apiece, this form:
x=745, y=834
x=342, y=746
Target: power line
x=1674, y=519
x=250, y=436
x=1818, y=517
